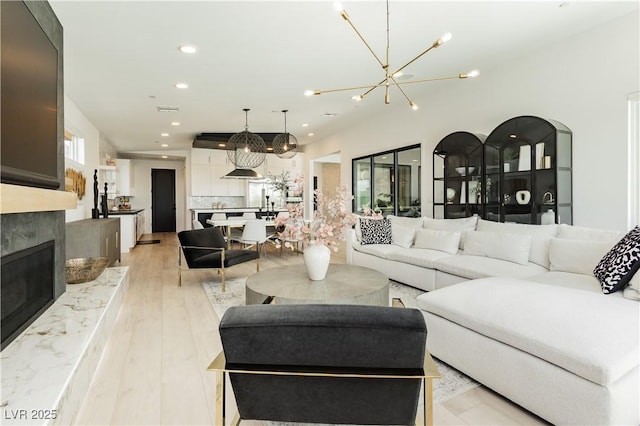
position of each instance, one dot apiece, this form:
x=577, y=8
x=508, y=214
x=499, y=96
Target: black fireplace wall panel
x=21, y=231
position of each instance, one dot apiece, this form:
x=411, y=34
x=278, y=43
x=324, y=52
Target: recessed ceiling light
x=188, y=49
x=164, y=134
x=269, y=148
x=310, y=134
x=175, y=123
x=164, y=145
x=164, y=156
x=167, y=109
x=222, y=145
x=305, y=125
x=182, y=85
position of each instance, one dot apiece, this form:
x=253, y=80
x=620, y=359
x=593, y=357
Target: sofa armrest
x=350, y=238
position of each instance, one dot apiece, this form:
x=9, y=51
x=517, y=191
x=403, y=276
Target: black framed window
x=388, y=182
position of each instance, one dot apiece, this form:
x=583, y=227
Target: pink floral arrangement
x=328, y=225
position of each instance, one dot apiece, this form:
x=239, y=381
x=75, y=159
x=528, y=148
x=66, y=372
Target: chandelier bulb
x=312, y=92
x=338, y=6
x=445, y=38
x=357, y=98
x=413, y=106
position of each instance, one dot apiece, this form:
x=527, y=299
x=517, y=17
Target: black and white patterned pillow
x=375, y=231
x=617, y=267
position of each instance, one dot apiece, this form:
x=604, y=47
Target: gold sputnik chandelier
x=390, y=77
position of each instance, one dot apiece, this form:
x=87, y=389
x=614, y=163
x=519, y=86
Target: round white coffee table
x=344, y=284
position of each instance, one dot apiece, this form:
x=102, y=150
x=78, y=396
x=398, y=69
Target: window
x=633, y=216
x=388, y=182
x=73, y=147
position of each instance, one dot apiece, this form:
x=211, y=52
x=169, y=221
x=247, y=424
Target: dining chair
x=254, y=234
x=197, y=224
x=249, y=215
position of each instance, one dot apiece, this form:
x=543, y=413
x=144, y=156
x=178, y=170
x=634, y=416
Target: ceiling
x=122, y=59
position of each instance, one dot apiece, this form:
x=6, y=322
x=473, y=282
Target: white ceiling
x=122, y=59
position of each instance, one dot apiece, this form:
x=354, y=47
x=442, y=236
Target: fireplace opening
x=28, y=282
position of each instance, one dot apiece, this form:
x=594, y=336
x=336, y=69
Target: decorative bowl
x=84, y=269
x=462, y=170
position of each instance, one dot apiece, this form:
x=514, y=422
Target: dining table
x=232, y=222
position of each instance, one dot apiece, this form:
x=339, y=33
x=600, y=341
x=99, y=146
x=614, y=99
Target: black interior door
x=163, y=200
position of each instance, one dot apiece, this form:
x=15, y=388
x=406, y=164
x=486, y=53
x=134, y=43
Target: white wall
x=79, y=125
x=141, y=170
x=582, y=82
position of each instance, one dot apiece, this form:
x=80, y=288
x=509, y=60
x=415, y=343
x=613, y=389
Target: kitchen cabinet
x=94, y=238
x=139, y=224
x=108, y=175
x=208, y=166
x=124, y=177
x=127, y=232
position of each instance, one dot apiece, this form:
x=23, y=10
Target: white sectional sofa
x=526, y=317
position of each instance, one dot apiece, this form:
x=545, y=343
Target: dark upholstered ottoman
x=335, y=346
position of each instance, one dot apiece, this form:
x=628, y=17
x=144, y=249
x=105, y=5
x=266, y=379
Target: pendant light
x=246, y=151
x=285, y=145
x=390, y=78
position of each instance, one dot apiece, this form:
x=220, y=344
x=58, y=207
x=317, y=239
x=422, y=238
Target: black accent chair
x=207, y=248
x=346, y=364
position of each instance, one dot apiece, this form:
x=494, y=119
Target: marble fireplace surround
x=47, y=370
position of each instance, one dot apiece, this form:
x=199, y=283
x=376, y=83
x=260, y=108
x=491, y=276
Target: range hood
x=242, y=174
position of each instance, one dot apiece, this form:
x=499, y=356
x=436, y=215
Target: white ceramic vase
x=316, y=260
x=523, y=197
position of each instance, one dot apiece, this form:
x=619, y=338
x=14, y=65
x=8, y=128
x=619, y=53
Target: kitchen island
x=131, y=227
x=203, y=214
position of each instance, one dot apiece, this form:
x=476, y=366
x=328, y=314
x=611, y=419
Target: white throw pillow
x=446, y=241
x=540, y=237
x=402, y=235
x=461, y=225
x=410, y=222
x=499, y=245
x=576, y=256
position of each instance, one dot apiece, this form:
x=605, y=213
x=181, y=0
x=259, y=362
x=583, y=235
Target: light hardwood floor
x=153, y=369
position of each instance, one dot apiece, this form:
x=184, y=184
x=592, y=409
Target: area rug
x=451, y=383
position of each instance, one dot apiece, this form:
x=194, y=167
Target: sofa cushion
x=569, y=280
x=540, y=237
x=446, y=241
x=417, y=256
x=632, y=291
x=472, y=267
x=572, y=232
x=617, y=267
x=499, y=245
x=597, y=341
x=380, y=250
x=411, y=222
x=461, y=225
x=577, y=256
x=375, y=231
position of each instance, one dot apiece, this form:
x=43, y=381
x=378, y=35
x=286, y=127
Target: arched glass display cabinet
x=528, y=172
x=457, y=176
